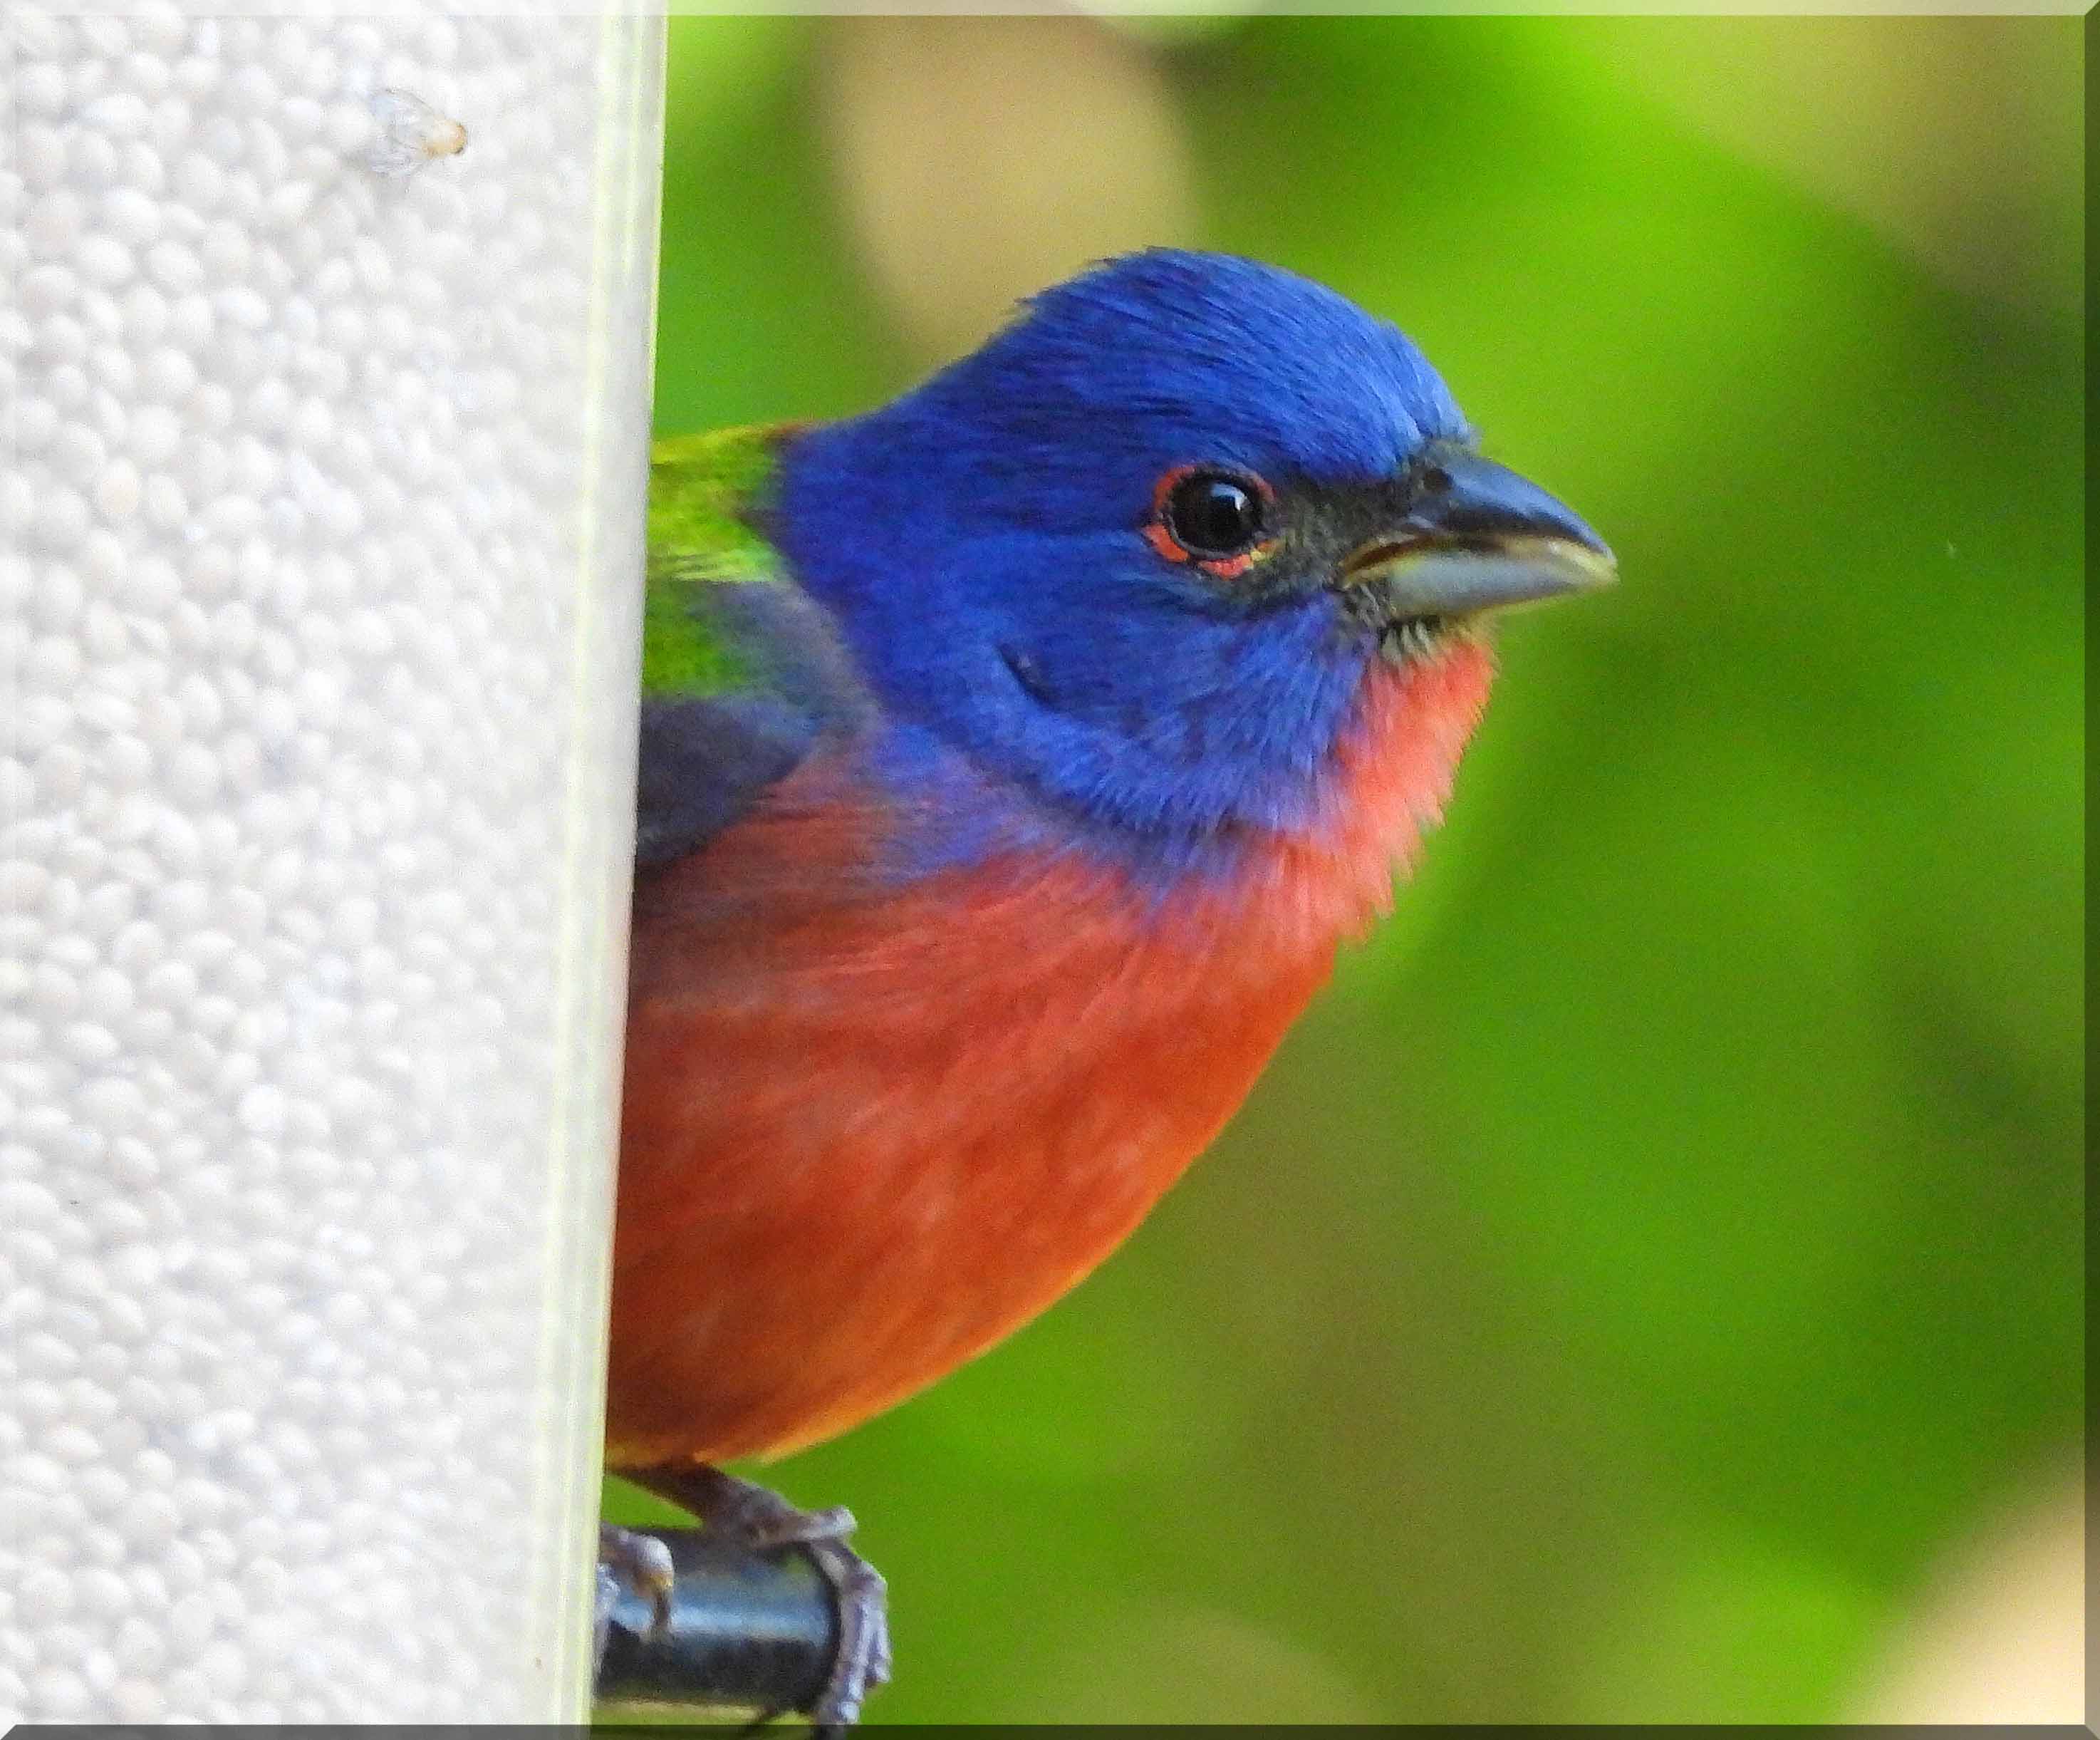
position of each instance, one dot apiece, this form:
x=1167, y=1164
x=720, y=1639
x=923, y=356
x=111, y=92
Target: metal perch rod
x=745, y=1633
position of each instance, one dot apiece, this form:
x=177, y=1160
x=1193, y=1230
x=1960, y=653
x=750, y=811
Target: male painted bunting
x=1014, y=759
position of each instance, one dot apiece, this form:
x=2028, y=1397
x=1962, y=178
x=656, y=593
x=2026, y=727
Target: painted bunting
x=1014, y=759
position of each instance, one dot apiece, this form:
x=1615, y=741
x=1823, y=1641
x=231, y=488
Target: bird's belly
x=856, y=1152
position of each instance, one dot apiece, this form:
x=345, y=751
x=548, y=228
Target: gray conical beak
x=1477, y=537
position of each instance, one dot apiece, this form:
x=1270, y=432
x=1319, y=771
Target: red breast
x=865, y=1136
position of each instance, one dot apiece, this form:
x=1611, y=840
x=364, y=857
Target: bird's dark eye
x=1216, y=518
x=1212, y=514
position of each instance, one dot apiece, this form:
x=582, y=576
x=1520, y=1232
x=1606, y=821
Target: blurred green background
x=1648, y=1285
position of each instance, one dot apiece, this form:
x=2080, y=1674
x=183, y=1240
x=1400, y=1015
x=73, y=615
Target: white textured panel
x=323, y=500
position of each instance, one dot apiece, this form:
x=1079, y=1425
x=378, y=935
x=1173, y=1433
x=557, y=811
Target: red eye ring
x=1218, y=517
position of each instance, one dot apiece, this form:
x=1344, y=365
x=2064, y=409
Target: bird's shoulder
x=743, y=674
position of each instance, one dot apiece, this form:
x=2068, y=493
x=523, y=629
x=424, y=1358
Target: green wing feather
x=742, y=674
x=704, y=492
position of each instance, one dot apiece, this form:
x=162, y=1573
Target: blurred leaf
x=1724, y=1631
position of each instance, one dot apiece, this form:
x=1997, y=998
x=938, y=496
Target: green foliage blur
x=1662, y=1245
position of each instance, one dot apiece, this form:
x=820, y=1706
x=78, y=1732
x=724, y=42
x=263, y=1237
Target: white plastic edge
x=325, y=364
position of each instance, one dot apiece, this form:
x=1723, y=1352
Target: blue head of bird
x=1139, y=554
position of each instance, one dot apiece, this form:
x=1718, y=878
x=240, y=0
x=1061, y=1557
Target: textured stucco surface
x=321, y=579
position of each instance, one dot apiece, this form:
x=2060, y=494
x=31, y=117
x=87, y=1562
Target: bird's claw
x=751, y=1516
x=629, y=1561
x=762, y=1521
x=862, y=1663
